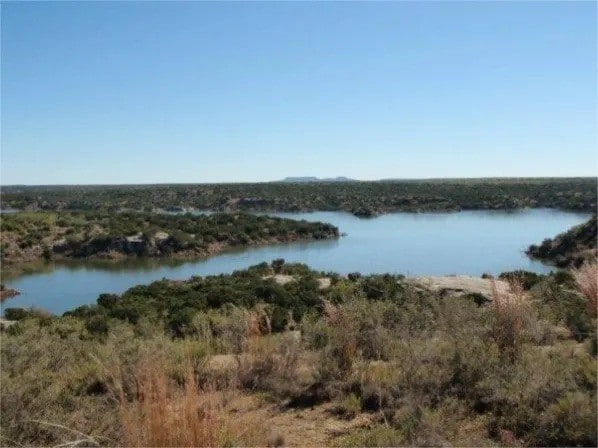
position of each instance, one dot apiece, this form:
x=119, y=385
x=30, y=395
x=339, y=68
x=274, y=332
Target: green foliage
x=571, y=248
x=349, y=406
x=527, y=279
x=16, y=313
x=570, y=421
x=526, y=399
x=176, y=302
x=427, y=370
x=277, y=265
x=362, y=198
x=97, y=325
x=21, y=314
x=94, y=234
x=559, y=302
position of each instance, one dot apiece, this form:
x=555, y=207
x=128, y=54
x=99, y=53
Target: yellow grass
x=163, y=414
x=586, y=278
x=509, y=309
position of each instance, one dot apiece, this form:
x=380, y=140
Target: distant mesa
x=317, y=179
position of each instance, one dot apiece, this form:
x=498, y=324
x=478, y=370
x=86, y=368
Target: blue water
x=469, y=242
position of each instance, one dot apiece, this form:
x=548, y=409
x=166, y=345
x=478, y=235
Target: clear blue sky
x=211, y=92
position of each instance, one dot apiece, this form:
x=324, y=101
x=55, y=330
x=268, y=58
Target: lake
x=468, y=242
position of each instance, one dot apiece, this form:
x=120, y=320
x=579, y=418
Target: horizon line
x=319, y=180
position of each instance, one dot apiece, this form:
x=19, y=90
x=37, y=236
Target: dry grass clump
x=271, y=364
x=358, y=329
x=163, y=414
x=51, y=391
x=228, y=330
x=343, y=336
x=586, y=278
x=510, y=314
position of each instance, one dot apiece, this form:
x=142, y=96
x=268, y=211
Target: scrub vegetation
x=33, y=236
x=360, y=198
x=571, y=248
x=279, y=354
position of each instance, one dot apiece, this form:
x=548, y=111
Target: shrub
x=348, y=407
x=97, y=325
x=315, y=331
x=525, y=279
x=16, y=313
x=22, y=313
x=277, y=265
x=354, y=276
x=270, y=365
x=108, y=300
x=47, y=387
x=179, y=322
x=561, y=303
x=520, y=395
x=569, y=422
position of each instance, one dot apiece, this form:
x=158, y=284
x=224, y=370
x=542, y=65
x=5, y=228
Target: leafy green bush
x=525, y=278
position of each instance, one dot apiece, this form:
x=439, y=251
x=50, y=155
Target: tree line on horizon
x=360, y=198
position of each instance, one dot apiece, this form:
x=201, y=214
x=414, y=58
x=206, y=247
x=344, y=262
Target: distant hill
x=304, y=179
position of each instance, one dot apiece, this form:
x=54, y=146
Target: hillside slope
x=570, y=248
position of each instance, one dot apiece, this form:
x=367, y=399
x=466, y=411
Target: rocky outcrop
x=159, y=245
x=459, y=285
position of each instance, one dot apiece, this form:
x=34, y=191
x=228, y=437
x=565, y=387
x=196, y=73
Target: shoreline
x=360, y=212
x=9, y=293
x=16, y=269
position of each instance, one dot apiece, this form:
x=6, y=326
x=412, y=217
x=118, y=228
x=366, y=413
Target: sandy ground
x=6, y=323
x=452, y=284
x=283, y=279
x=461, y=284
x=310, y=427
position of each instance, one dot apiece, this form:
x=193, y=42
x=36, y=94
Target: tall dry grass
x=586, y=278
x=344, y=340
x=164, y=414
x=509, y=312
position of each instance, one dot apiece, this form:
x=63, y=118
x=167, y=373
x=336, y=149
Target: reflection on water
x=470, y=242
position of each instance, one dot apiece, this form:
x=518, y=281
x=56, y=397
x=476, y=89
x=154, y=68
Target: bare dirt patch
x=310, y=427
x=281, y=279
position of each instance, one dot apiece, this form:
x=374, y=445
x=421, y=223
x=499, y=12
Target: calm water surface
x=471, y=242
